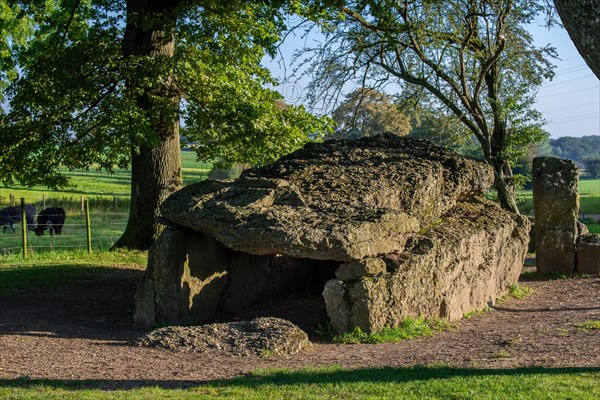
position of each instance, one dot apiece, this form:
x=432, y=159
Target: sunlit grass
x=99, y=184
x=589, y=325
x=340, y=383
x=410, y=328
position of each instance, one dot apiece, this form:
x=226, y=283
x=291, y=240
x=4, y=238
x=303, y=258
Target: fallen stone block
x=588, y=254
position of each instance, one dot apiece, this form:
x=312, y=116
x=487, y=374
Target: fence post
x=44, y=200
x=87, y=226
x=83, y=205
x=24, y=227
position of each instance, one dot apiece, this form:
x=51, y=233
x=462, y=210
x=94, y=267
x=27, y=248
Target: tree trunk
x=155, y=168
x=504, y=184
x=582, y=20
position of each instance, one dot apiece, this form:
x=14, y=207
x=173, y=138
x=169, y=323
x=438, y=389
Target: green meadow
x=108, y=197
x=589, y=208
x=338, y=383
x=99, y=185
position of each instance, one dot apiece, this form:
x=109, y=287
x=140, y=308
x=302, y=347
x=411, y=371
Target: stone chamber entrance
x=211, y=283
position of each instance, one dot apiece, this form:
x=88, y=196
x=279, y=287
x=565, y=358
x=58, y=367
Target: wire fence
x=106, y=225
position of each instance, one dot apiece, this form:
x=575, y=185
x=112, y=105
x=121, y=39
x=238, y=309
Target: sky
x=570, y=103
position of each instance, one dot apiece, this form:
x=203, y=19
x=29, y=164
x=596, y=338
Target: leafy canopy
x=475, y=57
x=69, y=105
x=367, y=112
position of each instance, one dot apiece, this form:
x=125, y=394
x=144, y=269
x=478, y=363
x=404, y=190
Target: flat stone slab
x=260, y=336
x=336, y=200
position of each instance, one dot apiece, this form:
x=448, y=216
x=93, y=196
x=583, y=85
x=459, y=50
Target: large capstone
x=338, y=200
x=556, y=205
x=389, y=227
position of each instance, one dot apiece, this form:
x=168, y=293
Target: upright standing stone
x=556, y=205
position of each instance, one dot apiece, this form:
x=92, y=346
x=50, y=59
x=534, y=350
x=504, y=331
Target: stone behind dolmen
x=402, y=222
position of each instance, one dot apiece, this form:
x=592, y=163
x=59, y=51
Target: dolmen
x=387, y=227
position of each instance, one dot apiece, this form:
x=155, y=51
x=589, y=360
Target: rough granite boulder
x=338, y=200
x=260, y=336
x=462, y=263
x=390, y=227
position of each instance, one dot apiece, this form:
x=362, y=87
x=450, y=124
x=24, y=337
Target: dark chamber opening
x=297, y=286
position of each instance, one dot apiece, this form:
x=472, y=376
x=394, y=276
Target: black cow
x=52, y=218
x=12, y=215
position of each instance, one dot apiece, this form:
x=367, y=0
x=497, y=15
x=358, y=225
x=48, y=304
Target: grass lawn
x=108, y=195
x=63, y=266
x=339, y=383
x=589, y=202
x=98, y=185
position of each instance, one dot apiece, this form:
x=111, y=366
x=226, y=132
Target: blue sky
x=570, y=102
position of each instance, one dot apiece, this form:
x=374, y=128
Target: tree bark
x=155, y=168
x=582, y=20
x=504, y=184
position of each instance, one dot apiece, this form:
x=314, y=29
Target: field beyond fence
x=108, y=197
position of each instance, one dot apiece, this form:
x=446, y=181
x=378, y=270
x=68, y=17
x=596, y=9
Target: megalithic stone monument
x=556, y=205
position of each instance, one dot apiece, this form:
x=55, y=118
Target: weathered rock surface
x=396, y=227
x=556, y=205
x=588, y=254
x=338, y=200
x=260, y=336
x=191, y=276
x=471, y=256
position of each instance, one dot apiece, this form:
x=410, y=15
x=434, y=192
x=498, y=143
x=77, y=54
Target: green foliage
x=518, y=291
x=367, y=112
x=421, y=382
x=592, y=167
x=476, y=60
x=410, y=328
x=588, y=325
x=576, y=148
x=478, y=311
x=79, y=102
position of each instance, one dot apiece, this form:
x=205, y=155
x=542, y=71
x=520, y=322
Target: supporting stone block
x=556, y=205
x=457, y=266
x=588, y=254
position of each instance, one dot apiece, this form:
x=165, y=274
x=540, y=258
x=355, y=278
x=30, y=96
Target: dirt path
x=82, y=331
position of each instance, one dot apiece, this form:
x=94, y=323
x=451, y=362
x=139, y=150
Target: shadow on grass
x=23, y=279
x=312, y=376
x=536, y=276
x=68, y=301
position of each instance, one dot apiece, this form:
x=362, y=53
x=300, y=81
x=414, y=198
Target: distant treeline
x=577, y=149
x=585, y=151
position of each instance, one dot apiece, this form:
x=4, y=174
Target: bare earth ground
x=82, y=332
